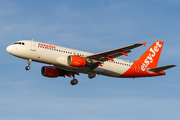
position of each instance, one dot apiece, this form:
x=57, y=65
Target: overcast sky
x=93, y=26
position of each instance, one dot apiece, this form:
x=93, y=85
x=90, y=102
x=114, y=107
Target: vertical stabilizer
x=151, y=57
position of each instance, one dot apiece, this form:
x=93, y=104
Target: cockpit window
x=20, y=43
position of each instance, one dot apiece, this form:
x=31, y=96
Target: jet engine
x=49, y=71
x=76, y=61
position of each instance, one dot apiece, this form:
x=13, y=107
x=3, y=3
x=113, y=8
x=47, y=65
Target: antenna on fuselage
x=32, y=39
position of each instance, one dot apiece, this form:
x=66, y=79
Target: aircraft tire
x=74, y=82
x=91, y=75
x=27, y=68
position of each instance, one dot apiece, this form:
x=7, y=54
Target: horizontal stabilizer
x=158, y=69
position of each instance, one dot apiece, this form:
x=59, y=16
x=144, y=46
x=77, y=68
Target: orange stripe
x=123, y=53
x=99, y=64
x=108, y=57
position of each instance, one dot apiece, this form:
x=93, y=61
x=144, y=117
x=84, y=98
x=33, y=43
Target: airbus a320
x=70, y=62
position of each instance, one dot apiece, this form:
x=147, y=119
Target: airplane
x=71, y=62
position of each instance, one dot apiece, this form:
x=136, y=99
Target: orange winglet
x=99, y=64
x=144, y=44
x=107, y=57
x=123, y=53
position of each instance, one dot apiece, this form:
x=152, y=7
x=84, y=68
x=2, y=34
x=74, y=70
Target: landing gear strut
x=91, y=74
x=29, y=62
x=74, y=81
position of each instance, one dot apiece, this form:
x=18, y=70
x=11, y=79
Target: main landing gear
x=29, y=62
x=91, y=75
x=74, y=81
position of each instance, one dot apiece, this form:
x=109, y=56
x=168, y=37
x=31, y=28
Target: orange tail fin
x=151, y=57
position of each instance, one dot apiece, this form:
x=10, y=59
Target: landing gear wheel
x=91, y=75
x=74, y=82
x=27, y=68
x=29, y=62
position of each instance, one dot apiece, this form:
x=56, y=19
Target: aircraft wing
x=109, y=55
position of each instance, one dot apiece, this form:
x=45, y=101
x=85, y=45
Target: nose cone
x=9, y=49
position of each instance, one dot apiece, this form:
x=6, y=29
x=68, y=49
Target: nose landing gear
x=29, y=62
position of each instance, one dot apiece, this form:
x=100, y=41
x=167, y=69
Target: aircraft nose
x=9, y=49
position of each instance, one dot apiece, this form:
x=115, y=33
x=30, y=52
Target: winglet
x=144, y=44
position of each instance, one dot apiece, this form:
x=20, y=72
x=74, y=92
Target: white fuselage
x=57, y=56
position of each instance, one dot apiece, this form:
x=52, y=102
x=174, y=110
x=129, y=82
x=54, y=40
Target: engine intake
x=49, y=71
x=76, y=61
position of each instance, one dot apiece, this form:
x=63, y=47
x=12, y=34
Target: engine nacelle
x=49, y=71
x=76, y=61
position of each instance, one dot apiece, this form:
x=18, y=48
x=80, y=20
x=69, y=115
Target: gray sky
x=93, y=26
